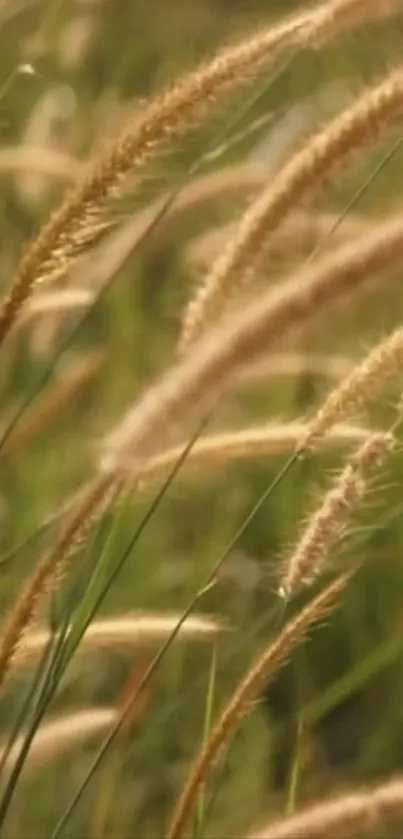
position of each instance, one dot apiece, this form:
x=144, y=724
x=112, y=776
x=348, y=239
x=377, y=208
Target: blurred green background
x=94, y=64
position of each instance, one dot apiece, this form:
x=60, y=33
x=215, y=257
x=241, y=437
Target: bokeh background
x=72, y=73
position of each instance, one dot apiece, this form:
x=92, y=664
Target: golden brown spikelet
x=300, y=228
x=50, y=563
x=165, y=118
x=264, y=668
x=193, y=382
x=362, y=122
x=215, y=450
x=359, y=387
x=346, y=815
x=63, y=732
x=327, y=524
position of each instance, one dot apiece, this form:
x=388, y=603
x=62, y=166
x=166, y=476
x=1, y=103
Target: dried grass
x=42, y=161
x=362, y=122
x=361, y=386
x=75, y=224
x=327, y=524
x=49, y=567
x=288, y=364
x=133, y=630
x=77, y=221
x=263, y=669
x=63, y=732
x=256, y=442
x=300, y=229
x=351, y=814
x=197, y=379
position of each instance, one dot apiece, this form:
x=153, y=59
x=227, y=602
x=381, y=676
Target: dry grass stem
x=194, y=381
x=50, y=564
x=131, y=630
x=347, y=815
x=362, y=122
x=328, y=523
x=64, y=732
x=263, y=669
x=261, y=441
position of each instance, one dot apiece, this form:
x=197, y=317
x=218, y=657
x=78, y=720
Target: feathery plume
x=166, y=117
x=360, y=123
x=327, y=525
x=259, y=441
x=135, y=629
x=360, y=386
x=287, y=364
x=346, y=815
x=91, y=501
x=44, y=161
x=77, y=222
x=193, y=382
x=263, y=668
x=60, y=733
x=300, y=228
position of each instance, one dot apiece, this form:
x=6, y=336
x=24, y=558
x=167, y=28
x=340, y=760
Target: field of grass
x=210, y=488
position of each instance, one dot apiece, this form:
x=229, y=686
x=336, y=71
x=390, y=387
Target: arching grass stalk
x=263, y=667
x=172, y=195
x=338, y=10
x=356, y=197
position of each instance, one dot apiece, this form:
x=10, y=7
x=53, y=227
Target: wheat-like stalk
x=75, y=224
x=166, y=117
x=346, y=815
x=293, y=364
x=360, y=123
x=362, y=385
x=55, y=302
x=66, y=731
x=327, y=524
x=264, y=668
x=194, y=381
x=255, y=442
x=133, y=629
x=90, y=502
x=300, y=229
x=44, y=161
x=104, y=260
